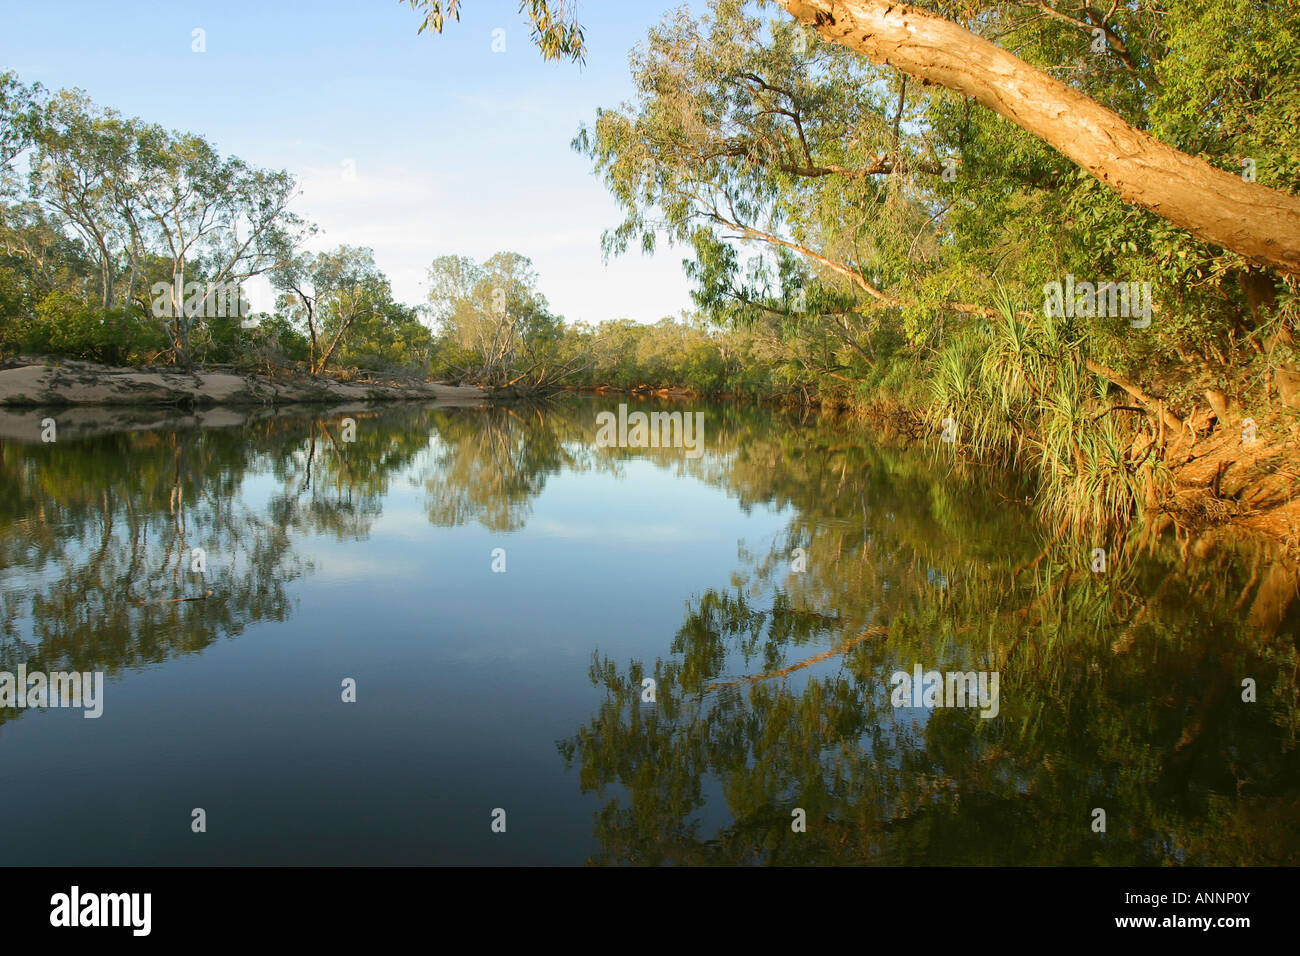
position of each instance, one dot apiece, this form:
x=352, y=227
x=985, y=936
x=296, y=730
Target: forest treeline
x=118, y=239
x=856, y=236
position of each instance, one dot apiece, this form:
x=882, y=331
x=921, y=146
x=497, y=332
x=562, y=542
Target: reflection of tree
x=1120, y=691
x=490, y=464
x=99, y=533
x=97, y=536
x=336, y=485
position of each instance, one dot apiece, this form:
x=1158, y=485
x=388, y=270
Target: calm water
x=521, y=689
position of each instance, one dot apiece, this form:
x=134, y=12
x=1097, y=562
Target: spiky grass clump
x=1018, y=386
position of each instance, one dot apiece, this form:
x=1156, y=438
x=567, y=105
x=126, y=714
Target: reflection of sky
x=595, y=549
x=465, y=681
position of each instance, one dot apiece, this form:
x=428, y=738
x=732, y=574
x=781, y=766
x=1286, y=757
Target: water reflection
x=1120, y=690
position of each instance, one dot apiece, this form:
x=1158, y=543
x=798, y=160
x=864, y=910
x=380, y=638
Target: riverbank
x=1211, y=476
x=26, y=382
x=22, y=425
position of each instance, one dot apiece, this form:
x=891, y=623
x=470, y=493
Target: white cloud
x=410, y=215
x=633, y=533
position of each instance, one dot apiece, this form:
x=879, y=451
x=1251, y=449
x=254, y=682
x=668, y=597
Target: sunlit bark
x=1259, y=223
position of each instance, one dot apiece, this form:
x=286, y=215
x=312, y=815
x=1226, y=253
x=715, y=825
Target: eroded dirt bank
x=1218, y=475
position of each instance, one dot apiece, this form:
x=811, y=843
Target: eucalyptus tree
x=200, y=212
x=147, y=205
x=80, y=157
x=393, y=335
x=557, y=35
x=745, y=133
x=494, y=313
x=329, y=292
x=38, y=258
x=19, y=266
x=940, y=42
x=19, y=108
x=951, y=43
x=891, y=212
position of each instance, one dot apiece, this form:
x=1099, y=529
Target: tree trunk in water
x=1274, y=597
x=1259, y=223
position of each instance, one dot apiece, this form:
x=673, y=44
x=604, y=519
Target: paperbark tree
x=1259, y=223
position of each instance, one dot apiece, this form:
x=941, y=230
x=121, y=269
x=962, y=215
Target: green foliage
x=118, y=213
x=63, y=324
x=901, y=218
x=556, y=37
x=494, y=327
x=344, y=303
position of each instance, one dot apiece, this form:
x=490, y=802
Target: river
x=478, y=635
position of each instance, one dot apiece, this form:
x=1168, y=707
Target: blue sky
x=414, y=145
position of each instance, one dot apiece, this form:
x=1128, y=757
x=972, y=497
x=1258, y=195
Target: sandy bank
x=84, y=383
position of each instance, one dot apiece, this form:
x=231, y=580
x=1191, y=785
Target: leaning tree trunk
x=1259, y=223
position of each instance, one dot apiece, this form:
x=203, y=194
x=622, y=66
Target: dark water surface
x=522, y=690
